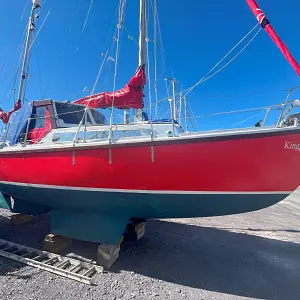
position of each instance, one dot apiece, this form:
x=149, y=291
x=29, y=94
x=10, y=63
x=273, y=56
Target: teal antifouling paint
x=3, y=203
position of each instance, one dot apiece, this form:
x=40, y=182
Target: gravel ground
x=248, y=256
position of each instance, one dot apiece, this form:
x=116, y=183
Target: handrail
x=6, y=134
x=268, y=110
x=26, y=134
x=283, y=107
x=79, y=126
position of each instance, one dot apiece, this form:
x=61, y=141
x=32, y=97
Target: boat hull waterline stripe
x=142, y=191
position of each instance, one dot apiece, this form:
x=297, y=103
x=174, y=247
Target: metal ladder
x=54, y=263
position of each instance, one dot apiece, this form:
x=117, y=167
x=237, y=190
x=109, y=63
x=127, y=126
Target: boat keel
x=93, y=227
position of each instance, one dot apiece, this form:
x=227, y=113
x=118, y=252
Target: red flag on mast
x=264, y=22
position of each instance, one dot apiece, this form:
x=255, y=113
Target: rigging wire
x=155, y=56
x=234, y=111
x=148, y=62
x=106, y=65
x=130, y=35
x=154, y=11
x=193, y=119
x=216, y=96
x=162, y=51
x=204, y=78
x=167, y=92
x=223, y=67
x=62, y=49
x=26, y=5
x=10, y=86
x=88, y=14
x=169, y=110
x=26, y=81
x=41, y=27
x=9, y=51
x=247, y=119
x=119, y=29
x=39, y=71
x=99, y=73
x=17, y=69
x=242, y=94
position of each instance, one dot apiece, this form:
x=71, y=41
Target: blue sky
x=195, y=35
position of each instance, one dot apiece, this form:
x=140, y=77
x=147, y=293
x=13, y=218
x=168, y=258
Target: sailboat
x=95, y=176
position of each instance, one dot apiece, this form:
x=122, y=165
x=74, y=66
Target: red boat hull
x=194, y=177
x=246, y=163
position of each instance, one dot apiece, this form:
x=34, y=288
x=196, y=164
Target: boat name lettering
x=292, y=146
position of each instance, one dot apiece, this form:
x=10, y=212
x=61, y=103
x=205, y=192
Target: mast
x=142, y=46
x=36, y=4
x=142, y=38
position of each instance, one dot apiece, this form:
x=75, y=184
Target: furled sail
x=264, y=22
x=6, y=116
x=131, y=96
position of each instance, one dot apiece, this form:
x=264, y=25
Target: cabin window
x=38, y=118
x=63, y=137
x=98, y=135
x=130, y=133
x=99, y=119
x=69, y=114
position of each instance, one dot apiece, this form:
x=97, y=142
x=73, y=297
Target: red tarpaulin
x=264, y=22
x=5, y=116
x=131, y=96
x=36, y=134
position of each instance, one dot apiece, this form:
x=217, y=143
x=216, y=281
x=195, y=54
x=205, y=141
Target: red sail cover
x=5, y=116
x=270, y=30
x=131, y=96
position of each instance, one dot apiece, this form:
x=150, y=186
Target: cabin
x=36, y=119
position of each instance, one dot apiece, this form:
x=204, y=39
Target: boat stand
x=55, y=243
x=18, y=219
x=108, y=254
x=134, y=231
